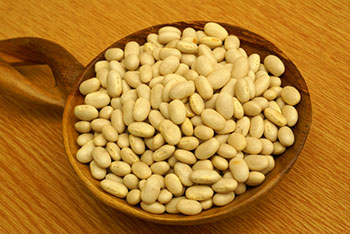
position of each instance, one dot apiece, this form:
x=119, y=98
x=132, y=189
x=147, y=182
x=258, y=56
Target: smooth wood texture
x=252, y=43
x=28, y=51
x=40, y=192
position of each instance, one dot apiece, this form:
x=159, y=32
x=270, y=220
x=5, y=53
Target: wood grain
x=41, y=194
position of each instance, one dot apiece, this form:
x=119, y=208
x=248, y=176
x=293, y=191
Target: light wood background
x=39, y=192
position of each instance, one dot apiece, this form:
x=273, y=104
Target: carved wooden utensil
x=69, y=73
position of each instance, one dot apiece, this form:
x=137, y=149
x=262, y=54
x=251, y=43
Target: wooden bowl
x=252, y=43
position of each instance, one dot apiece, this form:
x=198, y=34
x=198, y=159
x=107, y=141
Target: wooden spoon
x=69, y=73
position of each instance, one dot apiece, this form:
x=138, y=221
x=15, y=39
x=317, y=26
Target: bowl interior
x=252, y=43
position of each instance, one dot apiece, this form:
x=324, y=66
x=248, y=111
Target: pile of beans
x=184, y=122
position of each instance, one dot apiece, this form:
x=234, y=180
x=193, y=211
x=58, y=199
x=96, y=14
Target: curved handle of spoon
x=34, y=51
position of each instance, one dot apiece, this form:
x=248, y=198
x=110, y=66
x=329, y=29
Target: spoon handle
x=34, y=51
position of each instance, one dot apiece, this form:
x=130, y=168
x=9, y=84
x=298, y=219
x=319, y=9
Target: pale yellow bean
x=141, y=110
x=239, y=169
x=225, y=185
x=213, y=119
x=155, y=118
x=110, y=133
x=188, y=207
x=270, y=130
x=204, y=176
x=237, y=140
x=274, y=65
x=219, y=162
x=131, y=181
x=85, y=112
x=222, y=199
x=238, y=109
x=187, y=47
x=84, y=138
x=224, y=105
x=232, y=42
x=120, y=168
x=226, y=151
x=291, y=115
x=219, y=78
x=164, y=196
x=211, y=42
x=187, y=127
x=203, y=132
x=160, y=168
x=275, y=117
x=173, y=184
x=89, y=86
x=123, y=140
x=185, y=156
x=256, y=162
x=183, y=171
x=270, y=166
x=203, y=65
x=230, y=126
x=240, y=67
x=262, y=83
x=255, y=178
x=117, y=120
x=242, y=90
x=99, y=140
x=251, y=108
x=150, y=191
x=254, y=62
x=163, y=153
x=278, y=148
x=114, y=54
x=141, y=129
x=207, y=149
x=113, y=150
x=134, y=197
x=141, y=170
x=147, y=157
x=82, y=126
x=137, y=144
x=97, y=124
x=199, y=192
x=128, y=156
x=188, y=143
x=156, y=95
x=267, y=146
x=256, y=126
x=254, y=146
x=170, y=132
x=241, y=188
x=290, y=95
x=101, y=157
x=203, y=87
x=115, y=188
x=286, y=136
x=106, y=112
x=169, y=65
x=177, y=111
x=219, y=53
x=215, y=30
x=97, y=172
x=132, y=78
x=203, y=164
x=182, y=90
x=232, y=55
x=243, y=126
x=127, y=111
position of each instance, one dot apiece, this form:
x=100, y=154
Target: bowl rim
x=177, y=219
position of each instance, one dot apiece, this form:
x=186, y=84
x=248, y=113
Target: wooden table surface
x=39, y=192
